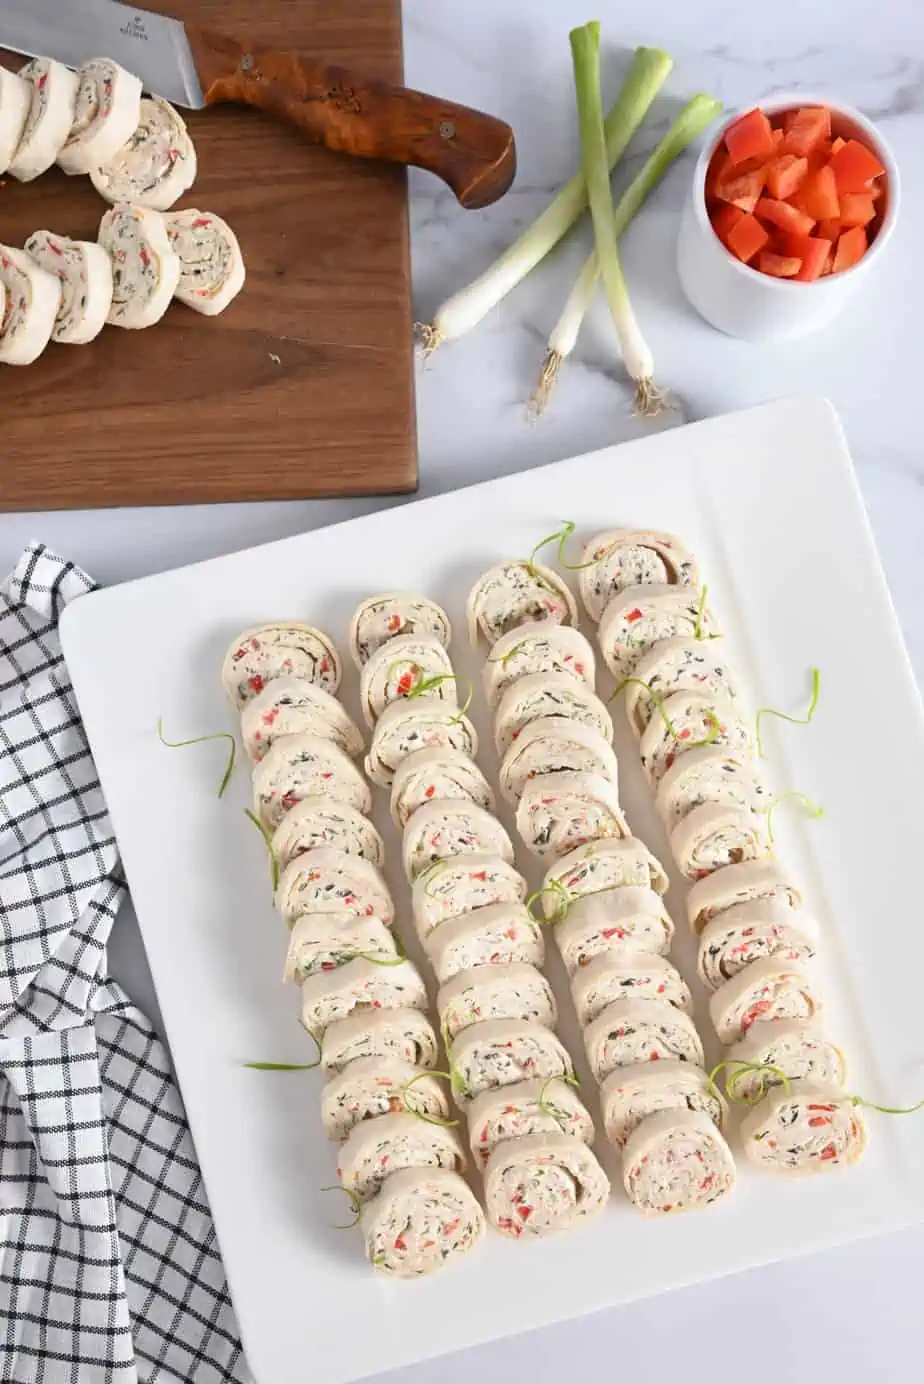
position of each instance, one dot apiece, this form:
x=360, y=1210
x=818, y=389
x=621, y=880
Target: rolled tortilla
x=321, y=942
x=676, y=1161
x=543, y=1105
x=748, y=932
x=630, y=1031
x=792, y=1048
x=419, y=1222
x=381, y=1033
x=357, y=987
x=441, y=830
x=690, y=720
x=620, y=558
x=84, y=272
x=145, y=271
x=517, y=593
x=414, y=666
x=638, y=618
x=712, y=837
x=504, y=1052
x=746, y=883
x=29, y=303
x=213, y=272
x=601, y=866
x=155, y=165
x=437, y=776
x=547, y=694
x=305, y=766
x=106, y=114
x=542, y=1184
x=323, y=821
x=560, y=812
x=616, y=922
x=763, y=992
x=708, y=774
x=677, y=665
x=544, y=647
x=612, y=977
x=373, y=1086
x=375, y=1149
x=632, y=1094
x=290, y=705
x=15, y=101
x=500, y=935
x=278, y=650
x=328, y=881
x=555, y=745
x=810, y=1128
x=463, y=885
x=395, y=613
x=407, y=727
x=483, y=993
x=52, y=103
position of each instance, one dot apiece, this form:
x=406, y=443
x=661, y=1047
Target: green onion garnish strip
x=355, y=1204
x=812, y=808
x=767, y=1069
x=783, y=716
x=437, y=868
x=699, y=629
x=460, y=714
x=699, y=112
x=268, y=842
x=561, y=537
x=289, y=1066
x=466, y=308
x=422, y=1114
x=710, y=716
x=562, y=903
x=201, y=740
x=886, y=1109
x=424, y=685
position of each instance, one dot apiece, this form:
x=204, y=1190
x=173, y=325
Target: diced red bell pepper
x=812, y=125
x=782, y=214
x=741, y=189
x=857, y=209
x=829, y=230
x=851, y=247
x=780, y=266
x=812, y=251
x=747, y=238
x=818, y=195
x=778, y=137
x=786, y=175
x=725, y=218
x=750, y=137
x=719, y=166
x=837, y=143
x=854, y=166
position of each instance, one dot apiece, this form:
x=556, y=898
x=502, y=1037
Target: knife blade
x=473, y=153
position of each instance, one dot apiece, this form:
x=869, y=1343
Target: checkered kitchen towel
x=109, y=1267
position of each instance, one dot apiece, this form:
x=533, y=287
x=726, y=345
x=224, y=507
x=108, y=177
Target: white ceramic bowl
x=745, y=303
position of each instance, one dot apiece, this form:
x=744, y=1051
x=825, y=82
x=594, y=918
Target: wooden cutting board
x=304, y=387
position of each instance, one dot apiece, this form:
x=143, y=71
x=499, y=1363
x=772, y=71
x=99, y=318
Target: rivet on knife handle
x=472, y=152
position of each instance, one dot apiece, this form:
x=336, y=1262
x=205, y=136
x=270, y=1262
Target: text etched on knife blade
x=134, y=28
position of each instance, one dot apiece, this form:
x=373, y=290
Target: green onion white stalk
x=465, y=309
x=699, y=112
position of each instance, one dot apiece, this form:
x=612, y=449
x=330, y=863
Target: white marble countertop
x=849, y=1314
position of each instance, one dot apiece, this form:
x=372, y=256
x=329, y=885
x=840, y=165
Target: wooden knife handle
x=473, y=153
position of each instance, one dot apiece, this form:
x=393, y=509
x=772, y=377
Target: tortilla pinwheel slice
x=676, y=1161
x=540, y=695
x=543, y=1105
x=750, y=882
x=420, y=1222
x=638, y=618
x=555, y=745
x=145, y=270
x=630, y=1031
x=374, y=1086
x=543, y=647
x=500, y=935
x=212, y=270
x=596, y=868
x=748, y=932
x=633, y=976
x=542, y=1184
x=319, y=943
x=504, y=1052
x=808, y=1128
x=558, y=814
x=30, y=299
x=375, y=1149
x=495, y=992
x=292, y=705
x=15, y=102
x=395, y=613
x=155, y=165
x=620, y=558
x=631, y=1094
x=689, y=721
x=787, y=1049
x=763, y=992
x=360, y=985
x=677, y=665
x=713, y=837
x=305, y=766
x=453, y=887
x=84, y=272
x=329, y=881
x=441, y=775
x=411, y=666
x=616, y=922
x=517, y=593
x=405, y=1034
x=709, y=774
x=278, y=650
x=406, y=728
x=49, y=120
x=443, y=830
x=322, y=821
x=107, y=112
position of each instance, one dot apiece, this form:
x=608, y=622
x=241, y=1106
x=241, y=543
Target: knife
x=472, y=152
